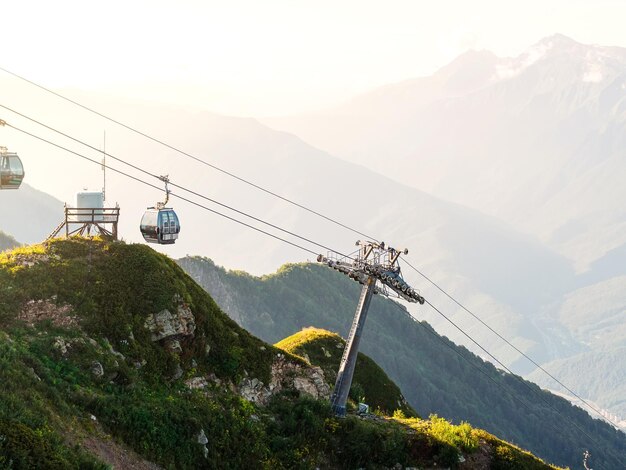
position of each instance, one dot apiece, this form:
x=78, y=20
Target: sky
x=274, y=57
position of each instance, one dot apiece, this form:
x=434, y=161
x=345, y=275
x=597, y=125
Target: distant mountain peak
x=558, y=39
x=561, y=44
x=560, y=54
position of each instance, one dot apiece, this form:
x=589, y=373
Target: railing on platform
x=86, y=221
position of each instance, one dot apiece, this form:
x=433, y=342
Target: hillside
x=29, y=214
x=435, y=375
x=111, y=355
x=370, y=384
x=532, y=143
x=7, y=242
x=604, y=379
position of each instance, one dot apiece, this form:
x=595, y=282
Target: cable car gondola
x=160, y=224
x=11, y=170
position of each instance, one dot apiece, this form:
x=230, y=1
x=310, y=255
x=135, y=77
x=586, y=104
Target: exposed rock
x=255, y=391
x=203, y=441
x=35, y=311
x=167, y=325
x=113, y=351
x=32, y=373
x=62, y=345
x=286, y=375
x=173, y=345
x=178, y=373
x=197, y=383
x=481, y=458
x=213, y=378
x=97, y=370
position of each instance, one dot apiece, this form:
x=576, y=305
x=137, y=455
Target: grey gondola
x=11, y=171
x=160, y=225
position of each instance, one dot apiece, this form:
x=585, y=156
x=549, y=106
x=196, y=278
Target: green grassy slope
x=434, y=375
x=80, y=365
x=370, y=384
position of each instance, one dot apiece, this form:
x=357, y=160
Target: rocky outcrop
x=203, y=441
x=286, y=374
x=197, y=383
x=171, y=327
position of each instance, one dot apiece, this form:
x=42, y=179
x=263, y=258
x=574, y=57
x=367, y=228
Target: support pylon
x=374, y=263
x=348, y=361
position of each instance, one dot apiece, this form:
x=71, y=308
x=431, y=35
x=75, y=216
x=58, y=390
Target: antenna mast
x=376, y=268
x=104, y=166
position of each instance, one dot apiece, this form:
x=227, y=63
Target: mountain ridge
x=431, y=371
x=102, y=340
x=511, y=279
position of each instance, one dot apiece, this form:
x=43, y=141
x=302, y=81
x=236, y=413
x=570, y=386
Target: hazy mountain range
x=532, y=144
x=535, y=140
x=28, y=214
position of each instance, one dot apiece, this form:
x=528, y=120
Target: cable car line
x=243, y=180
x=188, y=155
x=508, y=342
x=499, y=385
x=268, y=234
x=267, y=191
x=171, y=193
x=153, y=175
x=309, y=241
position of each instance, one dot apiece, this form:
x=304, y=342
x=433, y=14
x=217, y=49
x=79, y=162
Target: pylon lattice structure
x=376, y=268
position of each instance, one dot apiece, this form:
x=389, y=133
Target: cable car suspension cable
x=243, y=180
x=182, y=198
x=591, y=407
x=188, y=155
x=289, y=201
x=514, y=396
x=153, y=175
x=260, y=231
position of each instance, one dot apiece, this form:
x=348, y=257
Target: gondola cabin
x=11, y=170
x=160, y=226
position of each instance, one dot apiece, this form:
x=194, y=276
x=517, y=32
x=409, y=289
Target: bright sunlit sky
x=275, y=57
